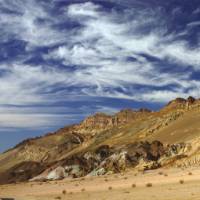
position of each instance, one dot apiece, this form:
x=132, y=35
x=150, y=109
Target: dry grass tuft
x=109, y=188
x=133, y=185
x=58, y=197
x=83, y=190
x=149, y=185
x=64, y=192
x=190, y=173
x=166, y=175
x=181, y=181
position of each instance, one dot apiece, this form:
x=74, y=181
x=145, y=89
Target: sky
x=62, y=60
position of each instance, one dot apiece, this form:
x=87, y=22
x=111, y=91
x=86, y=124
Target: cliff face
x=138, y=139
x=97, y=121
x=101, y=121
x=180, y=103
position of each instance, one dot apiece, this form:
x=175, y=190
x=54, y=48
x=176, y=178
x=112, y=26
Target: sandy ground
x=165, y=186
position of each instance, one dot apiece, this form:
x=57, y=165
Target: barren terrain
x=167, y=184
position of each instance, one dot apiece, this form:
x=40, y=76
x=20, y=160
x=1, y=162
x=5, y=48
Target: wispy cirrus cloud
x=79, y=52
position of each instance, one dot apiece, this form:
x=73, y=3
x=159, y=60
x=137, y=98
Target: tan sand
x=165, y=186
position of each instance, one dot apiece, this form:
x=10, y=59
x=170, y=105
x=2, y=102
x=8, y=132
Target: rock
x=57, y=174
x=74, y=171
x=156, y=150
x=116, y=162
x=147, y=165
x=148, y=151
x=103, y=121
x=191, y=100
x=177, y=149
x=97, y=121
x=97, y=172
x=103, y=151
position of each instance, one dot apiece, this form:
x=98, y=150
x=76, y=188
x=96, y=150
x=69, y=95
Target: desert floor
x=164, y=184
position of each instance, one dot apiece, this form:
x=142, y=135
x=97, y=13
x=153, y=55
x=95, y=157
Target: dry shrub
x=165, y=174
x=64, y=192
x=149, y=185
x=83, y=190
x=110, y=188
x=133, y=185
x=190, y=173
x=181, y=181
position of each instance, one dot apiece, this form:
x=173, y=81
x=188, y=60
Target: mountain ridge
x=104, y=143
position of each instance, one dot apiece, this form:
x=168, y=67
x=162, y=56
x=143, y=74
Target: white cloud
x=24, y=24
x=83, y=10
x=103, y=45
x=192, y=24
x=32, y=120
x=104, y=57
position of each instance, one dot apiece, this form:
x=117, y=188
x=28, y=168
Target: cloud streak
x=81, y=52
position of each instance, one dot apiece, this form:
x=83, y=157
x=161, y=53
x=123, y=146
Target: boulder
x=56, y=174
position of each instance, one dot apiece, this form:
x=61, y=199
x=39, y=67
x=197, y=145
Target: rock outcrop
x=101, y=121
x=181, y=103
x=105, y=160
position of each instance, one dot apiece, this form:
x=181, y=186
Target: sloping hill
x=108, y=143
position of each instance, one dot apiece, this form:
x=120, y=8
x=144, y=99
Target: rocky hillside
x=102, y=144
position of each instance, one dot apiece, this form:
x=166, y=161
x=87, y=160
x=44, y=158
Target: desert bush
x=133, y=185
x=58, y=197
x=181, y=181
x=64, y=192
x=165, y=174
x=149, y=185
x=160, y=173
x=83, y=190
x=110, y=188
x=190, y=173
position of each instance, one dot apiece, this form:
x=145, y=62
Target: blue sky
x=61, y=60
